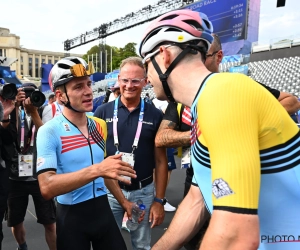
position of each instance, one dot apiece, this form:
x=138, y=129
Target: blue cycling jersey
x=64, y=149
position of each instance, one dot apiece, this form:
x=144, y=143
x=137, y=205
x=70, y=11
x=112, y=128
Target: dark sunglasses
x=212, y=54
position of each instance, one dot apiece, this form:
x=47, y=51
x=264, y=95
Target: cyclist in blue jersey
x=245, y=149
x=71, y=165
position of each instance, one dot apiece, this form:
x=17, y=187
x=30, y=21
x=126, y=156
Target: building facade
x=28, y=61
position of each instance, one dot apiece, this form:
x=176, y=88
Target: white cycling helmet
x=61, y=72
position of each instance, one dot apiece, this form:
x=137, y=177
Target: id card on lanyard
x=25, y=161
x=186, y=158
x=127, y=157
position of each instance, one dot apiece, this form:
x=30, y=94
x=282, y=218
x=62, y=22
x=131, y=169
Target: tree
x=118, y=54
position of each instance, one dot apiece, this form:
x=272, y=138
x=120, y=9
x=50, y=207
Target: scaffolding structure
x=128, y=21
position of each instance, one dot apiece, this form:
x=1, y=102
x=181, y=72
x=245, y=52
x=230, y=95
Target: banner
x=243, y=69
x=233, y=58
x=9, y=76
x=112, y=75
x=229, y=18
x=45, y=70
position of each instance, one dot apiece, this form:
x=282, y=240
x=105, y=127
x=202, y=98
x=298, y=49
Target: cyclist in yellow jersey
x=245, y=147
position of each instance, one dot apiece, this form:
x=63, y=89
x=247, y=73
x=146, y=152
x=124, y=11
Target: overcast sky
x=45, y=25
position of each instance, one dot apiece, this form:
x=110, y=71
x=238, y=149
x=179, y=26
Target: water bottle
x=136, y=212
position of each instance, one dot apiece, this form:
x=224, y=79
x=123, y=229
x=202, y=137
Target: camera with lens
x=37, y=98
x=8, y=90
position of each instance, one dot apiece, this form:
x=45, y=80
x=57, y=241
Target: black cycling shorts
x=18, y=201
x=86, y=224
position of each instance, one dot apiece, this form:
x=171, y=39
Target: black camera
x=37, y=98
x=8, y=90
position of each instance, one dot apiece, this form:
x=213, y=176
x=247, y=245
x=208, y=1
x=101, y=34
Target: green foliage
x=118, y=54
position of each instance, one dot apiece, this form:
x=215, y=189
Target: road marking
x=31, y=214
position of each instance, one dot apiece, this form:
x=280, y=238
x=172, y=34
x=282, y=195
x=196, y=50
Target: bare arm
x=161, y=172
x=8, y=107
x=52, y=184
x=116, y=191
x=189, y=218
x=33, y=112
x=289, y=102
x=167, y=136
x=157, y=213
x=231, y=231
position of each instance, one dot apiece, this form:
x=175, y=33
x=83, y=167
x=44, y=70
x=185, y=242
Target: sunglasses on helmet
x=78, y=70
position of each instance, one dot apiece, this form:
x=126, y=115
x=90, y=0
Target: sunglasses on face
x=150, y=55
x=212, y=54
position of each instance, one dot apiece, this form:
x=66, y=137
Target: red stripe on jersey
x=195, y=132
x=186, y=116
x=74, y=142
x=99, y=128
x=66, y=149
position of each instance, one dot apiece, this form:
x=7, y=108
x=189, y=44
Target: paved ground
x=35, y=232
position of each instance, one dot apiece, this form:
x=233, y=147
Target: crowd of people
x=85, y=171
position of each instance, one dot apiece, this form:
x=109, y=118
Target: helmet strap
x=68, y=104
x=163, y=77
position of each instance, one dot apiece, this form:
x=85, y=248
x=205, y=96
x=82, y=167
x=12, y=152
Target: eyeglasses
x=212, y=54
x=135, y=81
x=78, y=70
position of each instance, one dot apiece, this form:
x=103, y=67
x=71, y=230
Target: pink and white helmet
x=61, y=71
x=179, y=26
x=116, y=86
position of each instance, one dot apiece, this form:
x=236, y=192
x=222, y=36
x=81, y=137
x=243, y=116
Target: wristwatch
x=6, y=120
x=161, y=201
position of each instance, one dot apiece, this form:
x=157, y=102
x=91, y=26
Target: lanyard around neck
x=31, y=135
x=139, y=127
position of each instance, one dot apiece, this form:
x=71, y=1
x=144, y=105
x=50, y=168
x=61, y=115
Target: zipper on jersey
x=91, y=152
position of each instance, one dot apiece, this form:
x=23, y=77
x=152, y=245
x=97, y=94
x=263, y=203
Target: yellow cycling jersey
x=240, y=132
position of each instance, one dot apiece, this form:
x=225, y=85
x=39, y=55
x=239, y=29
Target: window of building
x=37, y=72
x=55, y=61
x=49, y=61
x=21, y=59
x=43, y=60
x=2, y=52
x=30, y=66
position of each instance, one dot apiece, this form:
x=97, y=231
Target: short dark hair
x=51, y=96
x=216, y=42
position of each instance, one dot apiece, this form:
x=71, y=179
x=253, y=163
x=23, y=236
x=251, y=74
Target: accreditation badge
x=25, y=163
x=186, y=158
x=129, y=158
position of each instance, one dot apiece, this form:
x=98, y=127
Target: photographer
x=7, y=136
x=23, y=181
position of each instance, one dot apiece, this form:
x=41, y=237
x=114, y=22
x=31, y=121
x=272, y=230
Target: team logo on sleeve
x=40, y=162
x=220, y=188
